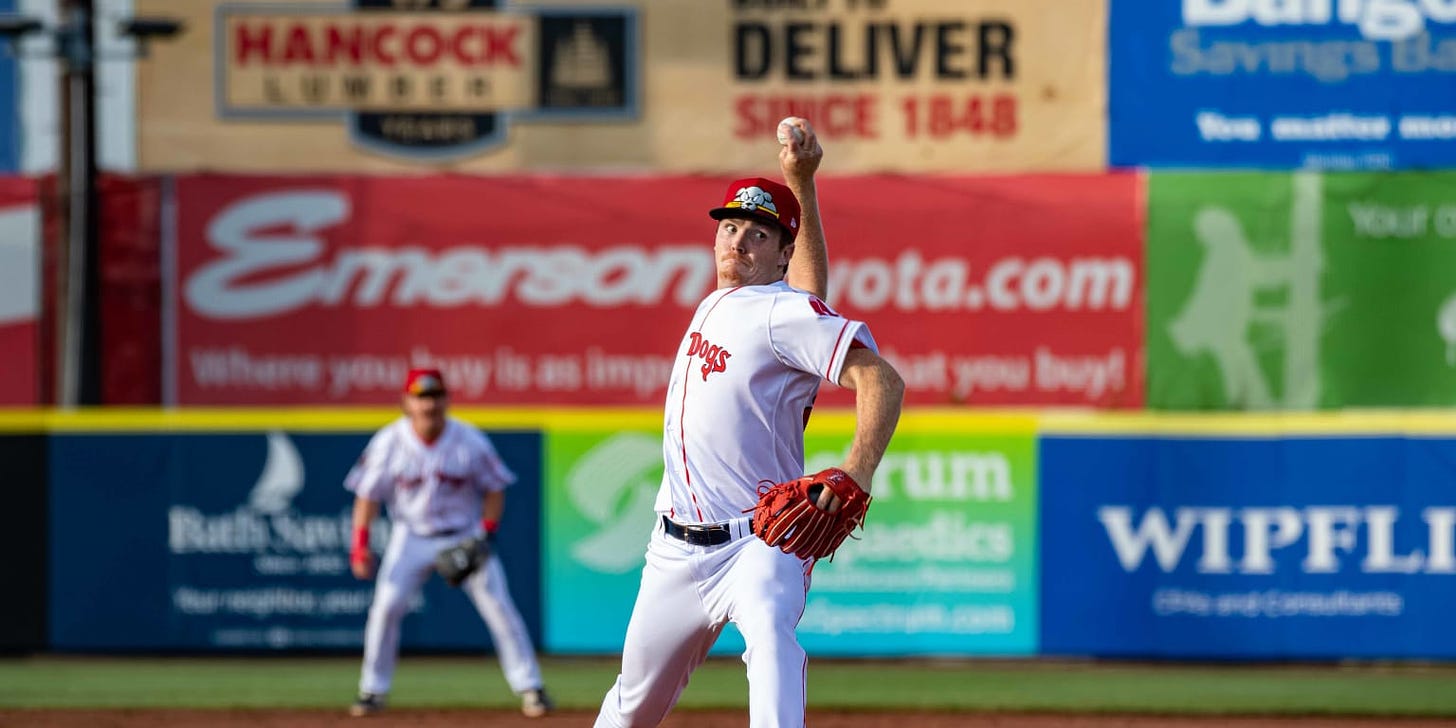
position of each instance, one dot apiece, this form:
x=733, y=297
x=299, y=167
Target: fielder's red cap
x=756, y=197
x=424, y=382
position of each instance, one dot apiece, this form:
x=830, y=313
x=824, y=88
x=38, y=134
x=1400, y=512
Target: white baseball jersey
x=434, y=488
x=742, y=384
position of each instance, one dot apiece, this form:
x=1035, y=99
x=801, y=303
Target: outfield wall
x=999, y=534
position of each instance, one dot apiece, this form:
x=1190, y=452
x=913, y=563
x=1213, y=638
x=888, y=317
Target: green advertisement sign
x=600, y=489
x=1301, y=291
x=946, y=564
x=947, y=561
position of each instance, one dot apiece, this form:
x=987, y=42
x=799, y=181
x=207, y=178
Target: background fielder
x=444, y=482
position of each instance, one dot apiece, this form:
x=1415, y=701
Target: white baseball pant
x=688, y=594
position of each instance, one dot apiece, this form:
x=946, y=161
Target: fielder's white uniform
x=433, y=493
x=744, y=379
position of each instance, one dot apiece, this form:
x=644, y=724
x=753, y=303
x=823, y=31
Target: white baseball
x=787, y=127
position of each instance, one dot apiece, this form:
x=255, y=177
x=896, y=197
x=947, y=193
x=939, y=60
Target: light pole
x=79, y=312
x=78, y=284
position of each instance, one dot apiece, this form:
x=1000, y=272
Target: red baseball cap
x=756, y=197
x=424, y=382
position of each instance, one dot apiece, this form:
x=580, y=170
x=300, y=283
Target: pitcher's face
x=749, y=252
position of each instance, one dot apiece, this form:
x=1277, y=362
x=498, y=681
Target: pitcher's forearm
x=809, y=268
x=879, y=394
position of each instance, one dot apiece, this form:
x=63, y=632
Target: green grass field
x=1020, y=686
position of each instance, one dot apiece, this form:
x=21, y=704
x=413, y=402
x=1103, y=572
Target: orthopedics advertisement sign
x=530, y=290
x=241, y=542
x=947, y=564
x=489, y=86
x=1304, y=291
x=1323, y=84
x=1271, y=547
x=20, y=232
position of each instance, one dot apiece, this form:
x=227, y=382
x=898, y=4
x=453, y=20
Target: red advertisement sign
x=541, y=290
x=19, y=291
x=131, y=272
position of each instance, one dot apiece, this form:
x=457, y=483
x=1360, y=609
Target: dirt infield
x=682, y=719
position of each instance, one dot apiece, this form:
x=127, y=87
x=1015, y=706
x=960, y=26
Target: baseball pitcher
x=739, y=526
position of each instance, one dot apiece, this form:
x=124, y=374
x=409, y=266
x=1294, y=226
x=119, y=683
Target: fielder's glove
x=811, y=516
x=456, y=563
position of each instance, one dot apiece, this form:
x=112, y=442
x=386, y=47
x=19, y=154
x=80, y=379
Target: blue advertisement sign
x=1249, y=548
x=1327, y=84
x=9, y=103
x=241, y=542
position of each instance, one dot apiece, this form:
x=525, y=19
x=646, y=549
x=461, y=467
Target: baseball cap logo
x=424, y=384
x=420, y=382
x=759, y=197
x=753, y=198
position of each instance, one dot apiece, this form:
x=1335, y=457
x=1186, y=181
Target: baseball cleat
x=367, y=704
x=535, y=703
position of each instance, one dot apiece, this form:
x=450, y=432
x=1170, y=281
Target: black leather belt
x=443, y=534
x=707, y=534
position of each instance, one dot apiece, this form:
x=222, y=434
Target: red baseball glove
x=810, y=516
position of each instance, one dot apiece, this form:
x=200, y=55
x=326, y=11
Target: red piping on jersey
x=682, y=434
x=836, y=351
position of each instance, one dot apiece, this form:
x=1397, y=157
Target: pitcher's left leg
x=770, y=588
x=668, y=637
